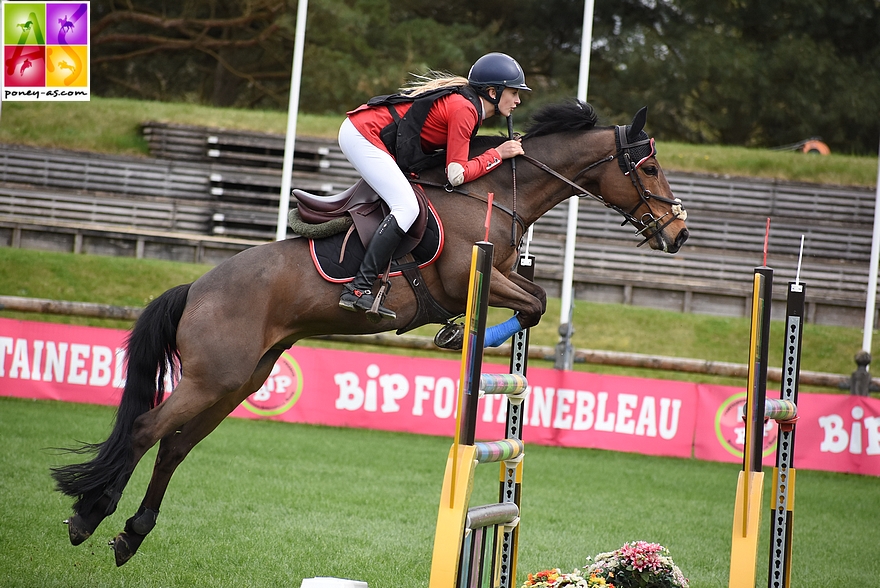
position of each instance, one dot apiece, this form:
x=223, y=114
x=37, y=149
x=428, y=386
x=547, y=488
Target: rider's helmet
x=499, y=71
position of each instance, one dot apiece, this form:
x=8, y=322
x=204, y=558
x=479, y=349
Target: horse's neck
x=566, y=156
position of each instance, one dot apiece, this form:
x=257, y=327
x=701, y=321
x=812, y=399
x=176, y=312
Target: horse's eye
x=650, y=170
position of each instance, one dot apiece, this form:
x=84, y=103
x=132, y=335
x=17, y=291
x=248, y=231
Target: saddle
x=329, y=222
x=365, y=209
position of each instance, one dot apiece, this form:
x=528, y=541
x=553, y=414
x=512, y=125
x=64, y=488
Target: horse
x=64, y=25
x=221, y=335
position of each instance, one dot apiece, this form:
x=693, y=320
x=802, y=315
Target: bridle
x=630, y=168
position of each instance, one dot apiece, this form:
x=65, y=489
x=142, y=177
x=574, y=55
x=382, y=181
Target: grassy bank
x=113, y=126
x=131, y=282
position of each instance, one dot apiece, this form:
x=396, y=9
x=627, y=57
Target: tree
x=746, y=72
x=238, y=52
x=222, y=52
x=742, y=72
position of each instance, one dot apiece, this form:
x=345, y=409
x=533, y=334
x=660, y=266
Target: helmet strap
x=483, y=92
x=499, y=90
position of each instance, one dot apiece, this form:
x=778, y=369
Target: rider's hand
x=510, y=148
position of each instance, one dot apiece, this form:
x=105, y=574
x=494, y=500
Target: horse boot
x=358, y=294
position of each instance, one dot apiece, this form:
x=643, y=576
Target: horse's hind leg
x=173, y=449
x=81, y=525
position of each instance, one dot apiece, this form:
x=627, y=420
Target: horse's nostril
x=681, y=238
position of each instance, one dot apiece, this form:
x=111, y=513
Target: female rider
x=388, y=138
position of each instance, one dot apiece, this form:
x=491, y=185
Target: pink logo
x=280, y=391
x=730, y=428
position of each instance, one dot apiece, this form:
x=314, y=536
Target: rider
x=450, y=111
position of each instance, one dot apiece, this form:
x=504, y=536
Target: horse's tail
x=151, y=352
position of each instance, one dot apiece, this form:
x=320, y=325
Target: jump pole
x=779, y=575
x=750, y=483
x=511, y=480
x=461, y=547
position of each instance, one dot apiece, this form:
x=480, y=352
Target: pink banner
x=834, y=432
x=61, y=362
x=416, y=395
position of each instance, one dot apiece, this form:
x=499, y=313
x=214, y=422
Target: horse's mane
x=571, y=115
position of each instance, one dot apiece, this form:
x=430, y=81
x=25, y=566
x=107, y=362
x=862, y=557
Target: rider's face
x=509, y=101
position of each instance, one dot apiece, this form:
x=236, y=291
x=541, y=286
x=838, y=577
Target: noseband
x=625, y=156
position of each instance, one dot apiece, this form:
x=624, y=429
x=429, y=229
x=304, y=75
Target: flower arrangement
x=554, y=579
x=636, y=565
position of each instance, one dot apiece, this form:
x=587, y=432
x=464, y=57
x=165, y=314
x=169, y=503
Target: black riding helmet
x=499, y=71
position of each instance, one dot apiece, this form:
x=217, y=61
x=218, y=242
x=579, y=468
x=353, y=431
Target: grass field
x=265, y=504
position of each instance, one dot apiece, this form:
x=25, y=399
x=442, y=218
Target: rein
x=643, y=224
x=644, y=196
x=450, y=190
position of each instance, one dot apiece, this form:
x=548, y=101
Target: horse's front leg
x=510, y=292
x=527, y=306
x=533, y=289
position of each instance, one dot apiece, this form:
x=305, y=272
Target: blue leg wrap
x=498, y=334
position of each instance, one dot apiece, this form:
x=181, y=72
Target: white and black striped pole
x=779, y=575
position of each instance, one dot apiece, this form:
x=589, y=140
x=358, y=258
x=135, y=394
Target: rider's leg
x=379, y=170
x=358, y=294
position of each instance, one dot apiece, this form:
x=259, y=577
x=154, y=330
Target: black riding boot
x=358, y=294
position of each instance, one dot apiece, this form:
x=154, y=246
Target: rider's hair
x=431, y=80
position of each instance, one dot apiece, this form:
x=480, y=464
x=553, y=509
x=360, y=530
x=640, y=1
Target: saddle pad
x=325, y=252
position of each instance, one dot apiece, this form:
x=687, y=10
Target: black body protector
x=403, y=137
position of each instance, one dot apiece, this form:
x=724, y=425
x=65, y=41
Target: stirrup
x=376, y=311
x=450, y=336
x=354, y=299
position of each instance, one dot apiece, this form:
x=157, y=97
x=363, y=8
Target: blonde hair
x=431, y=81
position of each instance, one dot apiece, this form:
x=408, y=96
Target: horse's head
x=636, y=187
x=645, y=198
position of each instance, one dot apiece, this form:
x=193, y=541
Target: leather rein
x=646, y=222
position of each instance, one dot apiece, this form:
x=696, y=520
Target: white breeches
x=380, y=171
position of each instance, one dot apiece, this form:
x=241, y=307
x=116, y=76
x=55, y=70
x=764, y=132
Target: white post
x=292, y=110
x=571, y=228
x=872, y=272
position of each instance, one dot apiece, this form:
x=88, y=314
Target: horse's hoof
x=77, y=530
x=122, y=549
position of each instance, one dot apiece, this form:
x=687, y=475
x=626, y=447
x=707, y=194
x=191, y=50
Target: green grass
x=262, y=503
x=112, y=125
x=121, y=281
x=762, y=163
x=125, y=281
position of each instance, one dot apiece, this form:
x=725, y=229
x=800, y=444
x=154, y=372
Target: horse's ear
x=638, y=124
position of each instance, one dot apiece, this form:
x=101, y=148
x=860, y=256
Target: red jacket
x=449, y=125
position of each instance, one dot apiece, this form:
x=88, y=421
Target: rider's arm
x=459, y=167
x=458, y=118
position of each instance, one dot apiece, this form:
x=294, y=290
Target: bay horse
x=223, y=333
